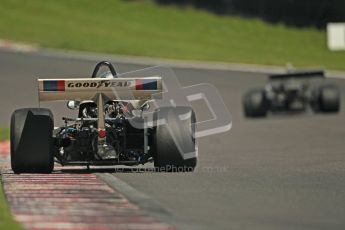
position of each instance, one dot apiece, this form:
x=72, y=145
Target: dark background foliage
x=291, y=12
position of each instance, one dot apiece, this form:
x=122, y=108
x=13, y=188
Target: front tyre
x=174, y=143
x=31, y=141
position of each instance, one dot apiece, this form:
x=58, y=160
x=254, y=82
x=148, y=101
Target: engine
x=80, y=140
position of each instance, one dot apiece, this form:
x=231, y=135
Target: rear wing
x=89, y=88
x=301, y=74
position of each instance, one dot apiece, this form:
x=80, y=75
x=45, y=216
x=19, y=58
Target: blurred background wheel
x=329, y=99
x=255, y=103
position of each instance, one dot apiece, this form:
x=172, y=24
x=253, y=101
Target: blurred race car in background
x=293, y=92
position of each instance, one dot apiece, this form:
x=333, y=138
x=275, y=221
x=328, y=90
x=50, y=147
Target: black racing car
x=293, y=92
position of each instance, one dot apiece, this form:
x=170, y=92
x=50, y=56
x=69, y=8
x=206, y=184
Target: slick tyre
x=255, y=103
x=329, y=99
x=174, y=144
x=31, y=141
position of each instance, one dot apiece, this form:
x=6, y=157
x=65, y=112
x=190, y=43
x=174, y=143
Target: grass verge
x=145, y=29
x=6, y=221
x=4, y=134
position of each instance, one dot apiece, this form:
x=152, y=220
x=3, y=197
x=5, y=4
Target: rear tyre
x=174, y=144
x=255, y=103
x=326, y=99
x=31, y=141
x=329, y=99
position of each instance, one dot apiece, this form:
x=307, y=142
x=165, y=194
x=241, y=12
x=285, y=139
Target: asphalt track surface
x=281, y=172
